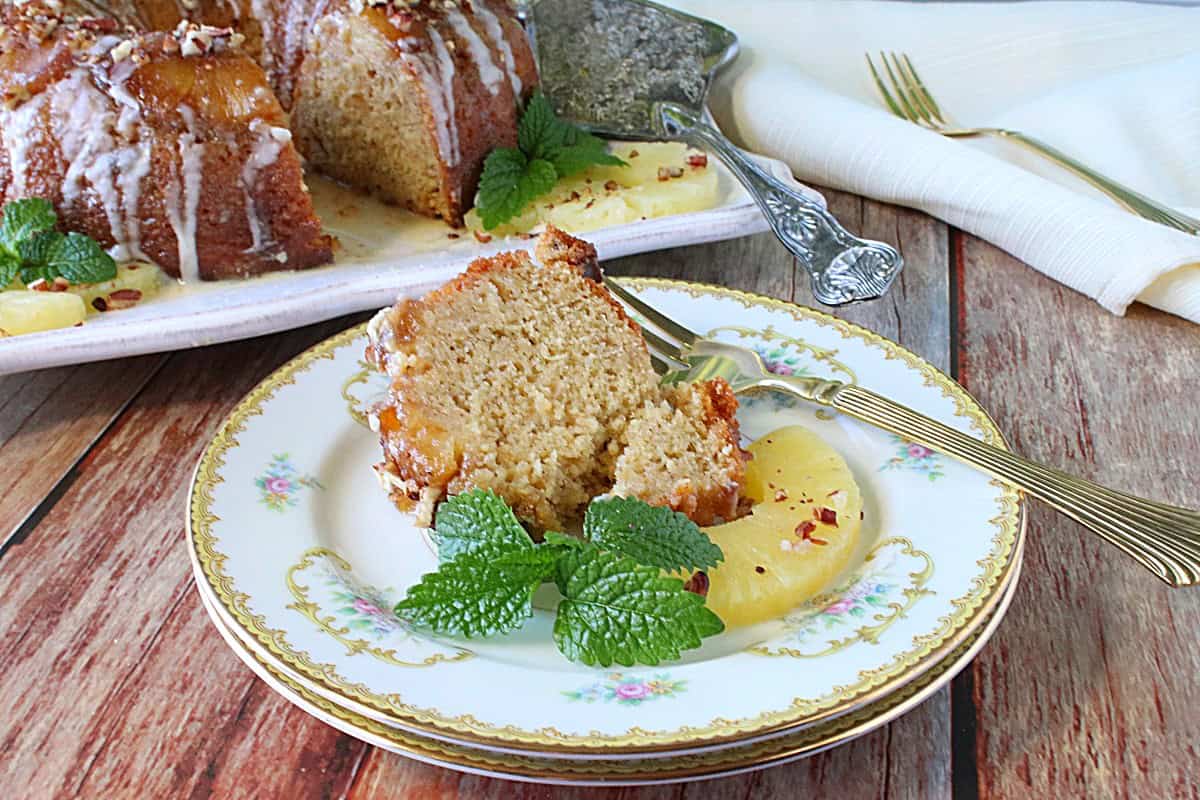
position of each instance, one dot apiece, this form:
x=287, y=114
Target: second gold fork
x=909, y=99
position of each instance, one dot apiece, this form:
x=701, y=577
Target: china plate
x=384, y=252
x=627, y=771
x=305, y=556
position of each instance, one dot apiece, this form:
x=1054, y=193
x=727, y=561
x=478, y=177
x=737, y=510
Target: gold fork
x=1164, y=539
x=909, y=99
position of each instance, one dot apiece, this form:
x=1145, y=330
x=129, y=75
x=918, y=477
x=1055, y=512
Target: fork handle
x=843, y=268
x=1164, y=539
x=1136, y=202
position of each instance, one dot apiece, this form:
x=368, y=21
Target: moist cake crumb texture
x=528, y=379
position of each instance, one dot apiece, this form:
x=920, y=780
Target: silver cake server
x=633, y=69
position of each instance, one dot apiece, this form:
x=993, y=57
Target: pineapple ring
x=801, y=533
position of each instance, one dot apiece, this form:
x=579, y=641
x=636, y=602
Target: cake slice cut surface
x=525, y=377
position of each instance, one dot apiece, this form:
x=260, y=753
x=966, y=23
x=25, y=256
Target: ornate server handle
x=1164, y=539
x=843, y=267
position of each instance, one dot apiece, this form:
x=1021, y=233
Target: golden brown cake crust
x=530, y=380
x=167, y=146
x=466, y=63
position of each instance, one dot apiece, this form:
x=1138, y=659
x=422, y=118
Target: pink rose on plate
x=278, y=485
x=367, y=607
x=841, y=606
x=632, y=691
x=919, y=451
x=779, y=368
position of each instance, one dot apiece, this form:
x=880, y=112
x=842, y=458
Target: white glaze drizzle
x=442, y=88
x=261, y=11
x=489, y=74
x=495, y=32
x=21, y=130
x=113, y=166
x=268, y=145
x=183, y=197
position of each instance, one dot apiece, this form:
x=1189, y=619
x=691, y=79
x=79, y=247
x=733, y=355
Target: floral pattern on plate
x=628, y=690
x=891, y=579
x=913, y=457
x=280, y=483
x=348, y=611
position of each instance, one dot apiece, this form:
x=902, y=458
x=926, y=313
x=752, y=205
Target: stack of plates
x=299, y=558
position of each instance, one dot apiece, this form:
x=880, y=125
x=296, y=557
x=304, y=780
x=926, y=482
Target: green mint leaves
x=31, y=248
x=547, y=149
x=617, y=610
x=650, y=535
x=617, y=606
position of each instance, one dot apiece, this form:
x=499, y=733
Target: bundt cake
x=169, y=129
x=530, y=380
x=166, y=146
x=402, y=98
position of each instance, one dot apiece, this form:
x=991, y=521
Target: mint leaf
x=23, y=219
x=35, y=254
x=81, y=259
x=579, y=151
x=510, y=182
x=76, y=257
x=9, y=267
x=478, y=594
x=477, y=522
x=540, y=131
x=616, y=610
x=556, y=539
x=651, y=535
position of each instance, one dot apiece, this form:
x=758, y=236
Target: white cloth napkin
x=1116, y=85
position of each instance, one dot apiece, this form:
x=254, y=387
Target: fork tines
x=908, y=97
x=668, y=353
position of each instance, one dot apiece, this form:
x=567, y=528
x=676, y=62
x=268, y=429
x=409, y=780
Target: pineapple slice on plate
x=801, y=533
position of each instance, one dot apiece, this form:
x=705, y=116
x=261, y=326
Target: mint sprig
x=617, y=607
x=651, y=535
x=548, y=149
x=617, y=610
x=31, y=248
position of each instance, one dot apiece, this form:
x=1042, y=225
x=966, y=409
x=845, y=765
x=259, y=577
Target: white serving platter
x=385, y=253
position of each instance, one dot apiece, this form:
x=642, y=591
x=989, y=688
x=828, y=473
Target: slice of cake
x=528, y=379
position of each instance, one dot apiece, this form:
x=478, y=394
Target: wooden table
x=115, y=683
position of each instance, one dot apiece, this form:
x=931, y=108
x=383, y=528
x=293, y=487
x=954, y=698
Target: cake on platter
x=174, y=131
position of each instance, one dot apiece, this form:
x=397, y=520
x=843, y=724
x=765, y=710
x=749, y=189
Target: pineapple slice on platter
x=802, y=531
x=24, y=311
x=661, y=179
x=27, y=311
x=135, y=282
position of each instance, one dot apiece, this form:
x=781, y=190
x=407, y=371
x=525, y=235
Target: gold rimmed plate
x=305, y=557
x=622, y=771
